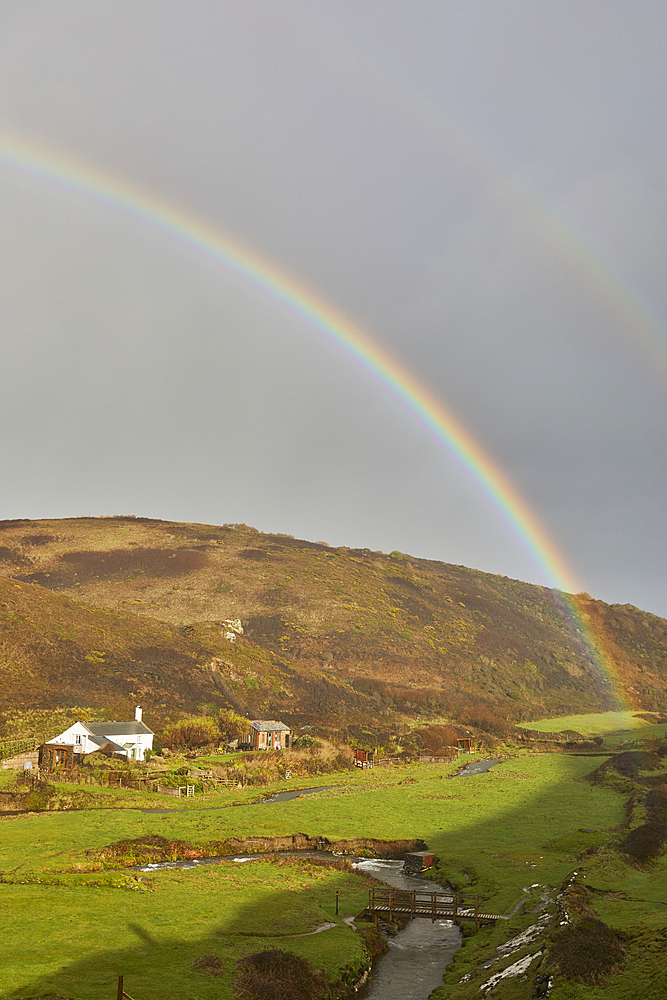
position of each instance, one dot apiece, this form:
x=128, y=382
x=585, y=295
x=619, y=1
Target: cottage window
x=59, y=757
x=78, y=739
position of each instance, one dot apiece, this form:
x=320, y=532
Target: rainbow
x=46, y=164
x=588, y=261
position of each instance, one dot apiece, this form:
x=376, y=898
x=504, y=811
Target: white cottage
x=130, y=739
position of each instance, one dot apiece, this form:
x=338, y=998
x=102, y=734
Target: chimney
x=137, y=714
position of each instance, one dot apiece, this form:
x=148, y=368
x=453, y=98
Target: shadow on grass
x=498, y=853
x=159, y=963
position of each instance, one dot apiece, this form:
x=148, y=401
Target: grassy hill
x=99, y=613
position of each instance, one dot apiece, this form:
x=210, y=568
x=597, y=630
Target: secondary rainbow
x=576, y=247
x=86, y=179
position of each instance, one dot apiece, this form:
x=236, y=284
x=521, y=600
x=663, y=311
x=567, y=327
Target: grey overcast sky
x=480, y=185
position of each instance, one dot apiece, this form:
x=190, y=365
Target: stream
x=418, y=955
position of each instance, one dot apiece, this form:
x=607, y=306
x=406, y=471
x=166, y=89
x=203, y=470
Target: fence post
x=336, y=903
x=454, y=906
x=120, y=988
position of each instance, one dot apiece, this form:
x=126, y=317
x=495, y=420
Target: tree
x=231, y=725
x=191, y=733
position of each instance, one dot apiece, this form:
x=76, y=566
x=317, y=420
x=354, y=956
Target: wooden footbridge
x=433, y=905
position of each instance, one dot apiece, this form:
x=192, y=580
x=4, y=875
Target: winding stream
x=418, y=954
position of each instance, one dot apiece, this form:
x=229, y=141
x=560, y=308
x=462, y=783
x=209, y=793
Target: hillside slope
x=102, y=611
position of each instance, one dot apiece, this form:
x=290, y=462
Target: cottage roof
x=269, y=726
x=130, y=728
x=102, y=741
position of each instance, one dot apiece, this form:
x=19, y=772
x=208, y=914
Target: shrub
x=374, y=941
x=587, y=952
x=188, y=734
x=210, y=965
x=305, y=741
x=278, y=975
x=231, y=725
x=644, y=843
x=436, y=737
x=631, y=762
x=482, y=717
x=656, y=805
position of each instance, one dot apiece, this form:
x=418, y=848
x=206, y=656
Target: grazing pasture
x=73, y=925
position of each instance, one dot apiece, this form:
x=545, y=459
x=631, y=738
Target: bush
x=374, y=941
x=209, y=965
x=435, y=738
x=656, y=805
x=231, y=726
x=278, y=975
x=191, y=733
x=482, y=717
x=644, y=843
x=305, y=741
x=587, y=952
x=631, y=762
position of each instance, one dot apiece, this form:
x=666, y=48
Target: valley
x=536, y=836
x=204, y=625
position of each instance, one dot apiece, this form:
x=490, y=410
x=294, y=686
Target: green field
x=595, y=724
x=71, y=928
x=74, y=940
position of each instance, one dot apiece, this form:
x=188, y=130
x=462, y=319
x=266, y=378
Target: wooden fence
x=178, y=792
x=10, y=748
x=122, y=995
x=388, y=761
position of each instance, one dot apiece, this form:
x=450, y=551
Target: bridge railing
x=421, y=903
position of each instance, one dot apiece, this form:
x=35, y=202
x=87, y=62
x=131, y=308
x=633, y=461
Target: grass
x=214, y=759
x=647, y=732
x=75, y=934
x=529, y=822
x=75, y=941
x=595, y=724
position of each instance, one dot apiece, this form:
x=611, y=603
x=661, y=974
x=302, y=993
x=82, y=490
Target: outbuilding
x=267, y=734
x=364, y=758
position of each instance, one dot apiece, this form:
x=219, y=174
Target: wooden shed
x=53, y=755
x=364, y=758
